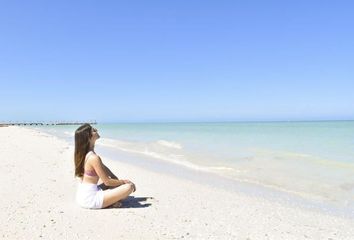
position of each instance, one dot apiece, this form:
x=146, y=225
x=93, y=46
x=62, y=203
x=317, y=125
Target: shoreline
x=164, y=207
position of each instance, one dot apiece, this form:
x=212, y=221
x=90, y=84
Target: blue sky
x=176, y=60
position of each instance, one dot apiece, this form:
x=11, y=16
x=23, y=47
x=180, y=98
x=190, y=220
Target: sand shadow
x=131, y=201
x=134, y=202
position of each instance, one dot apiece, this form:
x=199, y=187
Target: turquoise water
x=311, y=159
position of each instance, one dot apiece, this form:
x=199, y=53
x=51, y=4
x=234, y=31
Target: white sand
x=38, y=201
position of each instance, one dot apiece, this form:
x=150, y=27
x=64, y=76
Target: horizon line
x=226, y=121
x=181, y=121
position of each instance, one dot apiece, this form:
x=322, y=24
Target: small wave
x=169, y=156
x=69, y=133
x=222, y=168
x=170, y=144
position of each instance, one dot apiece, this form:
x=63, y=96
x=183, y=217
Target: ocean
x=314, y=160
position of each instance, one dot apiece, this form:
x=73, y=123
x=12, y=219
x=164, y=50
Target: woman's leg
x=112, y=196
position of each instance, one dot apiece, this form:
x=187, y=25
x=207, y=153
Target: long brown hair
x=82, y=147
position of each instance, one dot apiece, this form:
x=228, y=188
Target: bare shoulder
x=94, y=159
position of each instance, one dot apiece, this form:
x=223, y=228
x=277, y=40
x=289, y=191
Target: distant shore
x=38, y=182
x=43, y=123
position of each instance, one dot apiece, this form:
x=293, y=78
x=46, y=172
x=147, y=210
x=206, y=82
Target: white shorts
x=89, y=195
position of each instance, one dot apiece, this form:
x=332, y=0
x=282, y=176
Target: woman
x=90, y=169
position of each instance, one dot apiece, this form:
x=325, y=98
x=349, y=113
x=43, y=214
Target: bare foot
x=116, y=205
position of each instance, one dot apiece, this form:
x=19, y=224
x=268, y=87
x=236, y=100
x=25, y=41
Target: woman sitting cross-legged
x=91, y=171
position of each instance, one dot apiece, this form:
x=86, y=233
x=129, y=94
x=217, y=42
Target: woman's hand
x=128, y=181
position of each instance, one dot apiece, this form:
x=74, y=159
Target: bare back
x=90, y=175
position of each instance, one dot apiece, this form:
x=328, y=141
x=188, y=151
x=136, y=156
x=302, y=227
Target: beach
x=38, y=202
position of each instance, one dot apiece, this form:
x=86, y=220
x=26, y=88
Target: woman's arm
x=109, y=172
x=97, y=164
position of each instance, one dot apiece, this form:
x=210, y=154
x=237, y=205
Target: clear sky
x=176, y=60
